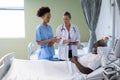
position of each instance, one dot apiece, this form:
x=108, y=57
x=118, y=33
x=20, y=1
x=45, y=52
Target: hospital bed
x=11, y=67
x=111, y=71
x=9, y=64
x=5, y=63
x=110, y=64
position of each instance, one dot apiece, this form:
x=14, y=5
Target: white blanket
x=42, y=70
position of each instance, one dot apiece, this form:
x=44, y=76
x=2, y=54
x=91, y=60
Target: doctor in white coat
x=68, y=38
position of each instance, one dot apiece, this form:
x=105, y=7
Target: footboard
x=5, y=63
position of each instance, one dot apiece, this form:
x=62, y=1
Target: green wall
x=31, y=21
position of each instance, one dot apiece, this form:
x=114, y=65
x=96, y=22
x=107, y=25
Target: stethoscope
x=63, y=29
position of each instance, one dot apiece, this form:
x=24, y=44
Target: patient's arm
x=81, y=68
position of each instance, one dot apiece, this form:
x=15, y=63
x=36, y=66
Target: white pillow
x=103, y=52
x=107, y=59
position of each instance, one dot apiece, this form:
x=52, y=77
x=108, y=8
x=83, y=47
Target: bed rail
x=31, y=49
x=5, y=63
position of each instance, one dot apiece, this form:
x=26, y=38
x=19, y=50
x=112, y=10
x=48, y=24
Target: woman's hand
x=75, y=43
x=66, y=41
x=50, y=44
x=53, y=39
x=58, y=40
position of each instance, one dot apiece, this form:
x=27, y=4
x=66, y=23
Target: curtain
x=118, y=2
x=91, y=10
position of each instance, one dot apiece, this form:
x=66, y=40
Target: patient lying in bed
x=49, y=70
x=91, y=61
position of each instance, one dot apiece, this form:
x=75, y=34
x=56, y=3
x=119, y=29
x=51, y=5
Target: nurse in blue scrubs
x=44, y=35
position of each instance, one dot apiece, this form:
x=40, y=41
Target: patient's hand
x=74, y=60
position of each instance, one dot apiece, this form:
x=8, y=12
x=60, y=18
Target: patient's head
x=100, y=43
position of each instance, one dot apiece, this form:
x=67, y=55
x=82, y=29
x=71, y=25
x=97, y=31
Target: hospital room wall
x=117, y=22
x=58, y=7
x=105, y=23
x=31, y=21
x=104, y=27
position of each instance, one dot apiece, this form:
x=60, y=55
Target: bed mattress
x=42, y=70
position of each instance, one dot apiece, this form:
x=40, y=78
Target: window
x=12, y=19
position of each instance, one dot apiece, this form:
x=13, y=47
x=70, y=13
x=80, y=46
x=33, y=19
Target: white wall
x=104, y=26
x=117, y=22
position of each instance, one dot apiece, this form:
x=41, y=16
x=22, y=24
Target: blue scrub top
x=43, y=33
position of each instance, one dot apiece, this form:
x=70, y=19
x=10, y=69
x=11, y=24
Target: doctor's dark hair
x=67, y=14
x=42, y=11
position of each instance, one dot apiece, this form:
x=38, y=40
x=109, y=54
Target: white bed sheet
x=42, y=70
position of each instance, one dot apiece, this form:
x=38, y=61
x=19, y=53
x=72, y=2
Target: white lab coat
x=62, y=34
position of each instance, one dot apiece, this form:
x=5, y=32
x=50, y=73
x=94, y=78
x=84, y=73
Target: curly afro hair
x=42, y=11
